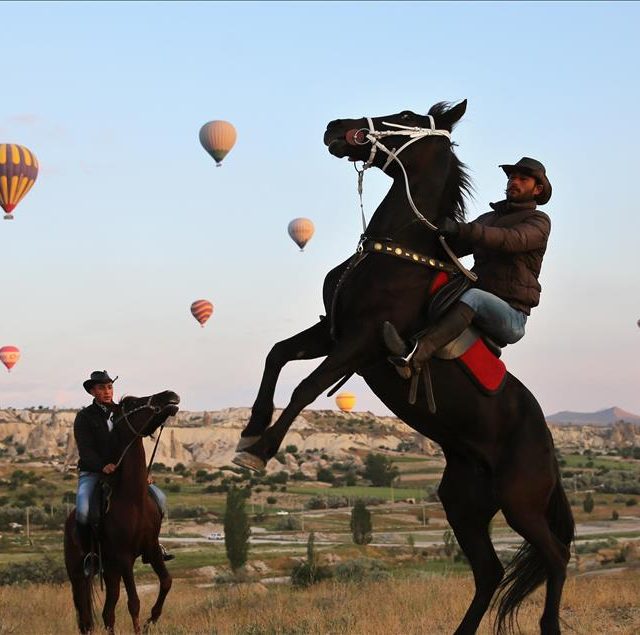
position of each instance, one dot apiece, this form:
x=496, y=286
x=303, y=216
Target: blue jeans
x=86, y=484
x=499, y=320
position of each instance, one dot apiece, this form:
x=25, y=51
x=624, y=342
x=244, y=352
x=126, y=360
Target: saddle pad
x=483, y=367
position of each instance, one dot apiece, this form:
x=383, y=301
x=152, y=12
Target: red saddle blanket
x=483, y=367
x=478, y=361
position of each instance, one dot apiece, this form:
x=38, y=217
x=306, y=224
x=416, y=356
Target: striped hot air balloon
x=9, y=356
x=301, y=230
x=217, y=138
x=202, y=310
x=346, y=401
x=18, y=173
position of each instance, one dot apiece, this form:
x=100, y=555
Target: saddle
x=473, y=350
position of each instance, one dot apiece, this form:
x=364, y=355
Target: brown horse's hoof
x=249, y=461
x=246, y=442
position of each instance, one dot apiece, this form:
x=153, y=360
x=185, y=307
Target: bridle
x=362, y=136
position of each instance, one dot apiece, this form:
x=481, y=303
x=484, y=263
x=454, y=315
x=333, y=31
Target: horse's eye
x=405, y=115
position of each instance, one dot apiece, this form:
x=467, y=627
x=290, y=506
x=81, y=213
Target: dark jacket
x=508, y=245
x=93, y=438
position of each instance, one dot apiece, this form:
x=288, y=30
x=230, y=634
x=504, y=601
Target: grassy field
x=592, y=605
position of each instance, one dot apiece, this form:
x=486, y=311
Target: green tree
x=588, y=503
x=379, y=469
x=236, y=529
x=361, y=526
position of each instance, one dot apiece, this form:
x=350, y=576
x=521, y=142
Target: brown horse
x=499, y=451
x=132, y=523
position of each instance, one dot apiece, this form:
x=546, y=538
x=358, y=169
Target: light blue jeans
x=86, y=484
x=498, y=319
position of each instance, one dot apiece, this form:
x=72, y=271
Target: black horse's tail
x=526, y=571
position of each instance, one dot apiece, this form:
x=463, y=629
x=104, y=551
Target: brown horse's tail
x=83, y=588
x=527, y=571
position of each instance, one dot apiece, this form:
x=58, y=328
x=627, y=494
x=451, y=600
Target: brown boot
x=425, y=343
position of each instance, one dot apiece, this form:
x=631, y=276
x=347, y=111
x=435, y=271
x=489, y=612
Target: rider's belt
x=397, y=250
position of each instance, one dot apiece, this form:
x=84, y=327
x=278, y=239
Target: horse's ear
x=453, y=115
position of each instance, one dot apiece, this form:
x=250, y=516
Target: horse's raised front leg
x=346, y=356
x=164, y=577
x=309, y=344
x=112, y=584
x=133, y=601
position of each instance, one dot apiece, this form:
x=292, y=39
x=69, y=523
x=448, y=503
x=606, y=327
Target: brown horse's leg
x=133, y=601
x=164, y=578
x=345, y=357
x=468, y=500
x=112, y=588
x=309, y=344
x=80, y=586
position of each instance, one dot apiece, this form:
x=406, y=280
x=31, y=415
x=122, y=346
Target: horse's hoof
x=249, y=461
x=246, y=442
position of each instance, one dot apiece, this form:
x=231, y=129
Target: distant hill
x=605, y=417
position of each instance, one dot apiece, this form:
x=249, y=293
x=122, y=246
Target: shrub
x=360, y=570
x=271, y=500
x=178, y=468
x=288, y=523
x=316, y=502
x=187, y=511
x=588, y=503
x=291, y=449
x=45, y=571
x=380, y=470
x=614, y=515
x=236, y=529
x=173, y=487
x=326, y=475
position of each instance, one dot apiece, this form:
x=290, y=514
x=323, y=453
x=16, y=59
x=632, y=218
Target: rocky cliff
x=209, y=438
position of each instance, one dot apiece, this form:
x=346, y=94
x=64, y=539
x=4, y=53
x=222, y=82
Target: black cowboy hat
x=97, y=377
x=533, y=168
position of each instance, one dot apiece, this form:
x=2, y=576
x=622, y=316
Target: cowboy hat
x=97, y=377
x=535, y=169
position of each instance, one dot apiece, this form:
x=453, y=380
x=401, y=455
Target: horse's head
x=142, y=416
x=376, y=140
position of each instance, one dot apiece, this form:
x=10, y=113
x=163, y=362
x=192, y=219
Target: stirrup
x=399, y=360
x=90, y=564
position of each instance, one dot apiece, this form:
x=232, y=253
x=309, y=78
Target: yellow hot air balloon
x=346, y=401
x=202, y=310
x=18, y=173
x=301, y=230
x=9, y=356
x=217, y=138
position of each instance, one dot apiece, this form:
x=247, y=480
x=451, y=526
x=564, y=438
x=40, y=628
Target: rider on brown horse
x=508, y=245
x=92, y=431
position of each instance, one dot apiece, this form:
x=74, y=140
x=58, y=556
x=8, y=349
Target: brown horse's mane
x=458, y=187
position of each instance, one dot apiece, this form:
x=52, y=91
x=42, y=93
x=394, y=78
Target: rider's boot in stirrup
x=424, y=344
x=90, y=561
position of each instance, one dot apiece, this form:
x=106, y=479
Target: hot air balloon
x=202, y=310
x=301, y=230
x=9, y=355
x=346, y=401
x=18, y=173
x=217, y=138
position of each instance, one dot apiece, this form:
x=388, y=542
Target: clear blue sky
x=130, y=221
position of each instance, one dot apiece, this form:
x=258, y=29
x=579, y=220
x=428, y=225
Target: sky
x=130, y=221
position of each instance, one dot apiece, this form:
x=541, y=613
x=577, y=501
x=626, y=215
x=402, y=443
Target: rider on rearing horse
x=92, y=431
x=508, y=246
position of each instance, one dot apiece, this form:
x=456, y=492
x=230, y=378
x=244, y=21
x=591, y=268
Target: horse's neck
x=395, y=218
x=132, y=482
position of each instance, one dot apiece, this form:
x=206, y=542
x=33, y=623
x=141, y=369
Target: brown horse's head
x=142, y=416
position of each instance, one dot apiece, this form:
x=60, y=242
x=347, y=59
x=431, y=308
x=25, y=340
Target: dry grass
x=592, y=604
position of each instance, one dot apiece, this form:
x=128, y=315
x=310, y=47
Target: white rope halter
x=415, y=133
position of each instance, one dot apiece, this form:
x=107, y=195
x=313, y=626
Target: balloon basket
x=8, y=216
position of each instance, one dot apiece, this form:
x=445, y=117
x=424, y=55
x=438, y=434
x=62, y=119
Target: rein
x=362, y=136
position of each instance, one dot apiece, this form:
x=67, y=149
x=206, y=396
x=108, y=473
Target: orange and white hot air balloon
x=217, y=138
x=346, y=401
x=202, y=310
x=18, y=173
x=301, y=230
x=9, y=356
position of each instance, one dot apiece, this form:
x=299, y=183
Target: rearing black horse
x=499, y=451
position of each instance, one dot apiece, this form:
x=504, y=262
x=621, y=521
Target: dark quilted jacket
x=93, y=439
x=508, y=246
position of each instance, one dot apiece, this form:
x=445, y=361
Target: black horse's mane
x=458, y=187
